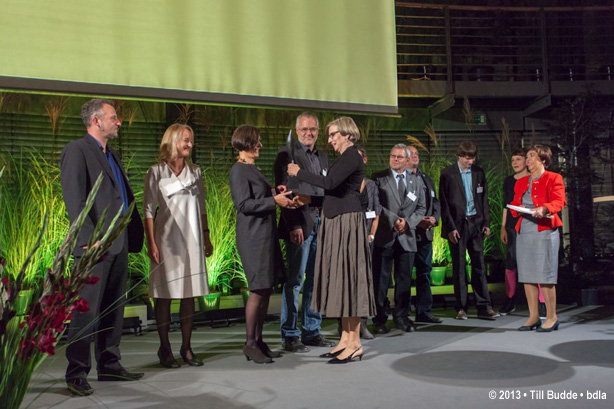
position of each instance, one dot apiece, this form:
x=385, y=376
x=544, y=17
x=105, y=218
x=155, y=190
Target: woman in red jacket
x=537, y=248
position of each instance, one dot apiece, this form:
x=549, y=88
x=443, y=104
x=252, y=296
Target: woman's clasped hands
x=282, y=199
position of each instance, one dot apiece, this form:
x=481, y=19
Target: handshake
x=282, y=199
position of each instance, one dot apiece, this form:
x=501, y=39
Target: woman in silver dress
x=537, y=246
x=177, y=238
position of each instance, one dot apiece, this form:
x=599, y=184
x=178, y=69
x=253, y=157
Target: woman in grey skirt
x=537, y=246
x=343, y=283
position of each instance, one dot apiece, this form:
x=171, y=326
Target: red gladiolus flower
x=47, y=343
x=92, y=280
x=80, y=306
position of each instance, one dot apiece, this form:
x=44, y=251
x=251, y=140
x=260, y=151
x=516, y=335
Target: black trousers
x=382, y=270
x=471, y=241
x=424, y=266
x=106, y=300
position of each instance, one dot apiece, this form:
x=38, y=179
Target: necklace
x=240, y=159
x=177, y=173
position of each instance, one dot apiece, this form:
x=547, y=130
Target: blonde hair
x=168, y=146
x=347, y=127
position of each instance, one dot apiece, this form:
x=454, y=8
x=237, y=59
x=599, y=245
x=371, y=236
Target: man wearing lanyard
x=81, y=163
x=465, y=218
x=299, y=228
x=401, y=195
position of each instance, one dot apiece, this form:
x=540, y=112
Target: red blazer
x=548, y=191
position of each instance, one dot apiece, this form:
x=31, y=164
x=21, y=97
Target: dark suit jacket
x=454, y=202
x=392, y=208
x=80, y=164
x=433, y=208
x=303, y=217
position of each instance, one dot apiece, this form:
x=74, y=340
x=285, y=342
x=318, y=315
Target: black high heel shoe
x=256, y=355
x=555, y=327
x=536, y=325
x=350, y=358
x=194, y=361
x=332, y=354
x=167, y=359
x=267, y=351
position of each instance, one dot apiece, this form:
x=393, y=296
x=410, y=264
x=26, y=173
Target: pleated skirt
x=343, y=278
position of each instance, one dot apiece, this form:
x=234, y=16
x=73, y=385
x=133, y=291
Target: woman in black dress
x=343, y=282
x=256, y=234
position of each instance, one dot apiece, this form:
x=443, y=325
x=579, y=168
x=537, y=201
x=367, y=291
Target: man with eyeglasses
x=401, y=195
x=298, y=228
x=465, y=221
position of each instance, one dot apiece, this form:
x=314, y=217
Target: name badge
x=411, y=196
x=370, y=215
x=480, y=189
x=324, y=172
x=432, y=193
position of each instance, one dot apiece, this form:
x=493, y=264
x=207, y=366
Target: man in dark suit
x=465, y=221
x=401, y=195
x=299, y=229
x=82, y=161
x=424, y=242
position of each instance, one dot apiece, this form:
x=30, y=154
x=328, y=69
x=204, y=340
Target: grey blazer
x=304, y=216
x=80, y=164
x=392, y=208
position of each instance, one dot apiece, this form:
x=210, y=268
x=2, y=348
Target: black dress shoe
x=167, y=359
x=350, y=358
x=429, y=319
x=555, y=327
x=404, y=324
x=256, y=355
x=332, y=354
x=380, y=329
x=264, y=347
x=79, y=386
x=537, y=324
x=193, y=361
x=319, y=341
x=293, y=344
x=121, y=375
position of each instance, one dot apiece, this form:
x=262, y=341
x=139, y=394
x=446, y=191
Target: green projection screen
x=319, y=54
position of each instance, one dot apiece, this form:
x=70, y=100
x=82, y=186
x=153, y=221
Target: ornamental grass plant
x=26, y=339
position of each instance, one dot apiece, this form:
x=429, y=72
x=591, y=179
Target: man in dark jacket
x=82, y=161
x=299, y=228
x=424, y=242
x=465, y=223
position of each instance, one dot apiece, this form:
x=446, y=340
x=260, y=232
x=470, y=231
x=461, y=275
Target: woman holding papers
x=177, y=238
x=537, y=247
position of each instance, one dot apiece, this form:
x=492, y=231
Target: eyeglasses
x=330, y=135
x=305, y=130
x=397, y=157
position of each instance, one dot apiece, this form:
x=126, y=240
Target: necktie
x=401, y=186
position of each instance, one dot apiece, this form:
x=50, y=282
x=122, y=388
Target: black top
x=341, y=184
x=508, y=197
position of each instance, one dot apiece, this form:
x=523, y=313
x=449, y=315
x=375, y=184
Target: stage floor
x=457, y=364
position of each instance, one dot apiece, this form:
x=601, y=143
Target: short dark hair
x=245, y=138
x=467, y=149
x=519, y=152
x=361, y=151
x=544, y=153
x=93, y=107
